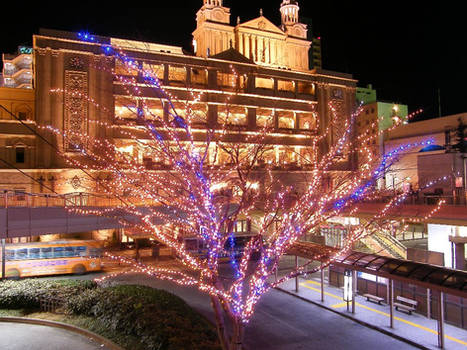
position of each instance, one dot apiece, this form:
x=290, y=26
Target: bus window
x=10, y=255
x=95, y=252
x=80, y=251
x=59, y=252
x=21, y=254
x=69, y=252
x=34, y=253
x=46, y=253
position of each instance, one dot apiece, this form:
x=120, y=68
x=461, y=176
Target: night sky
x=407, y=53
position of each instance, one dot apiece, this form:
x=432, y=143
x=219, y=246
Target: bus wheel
x=79, y=269
x=13, y=274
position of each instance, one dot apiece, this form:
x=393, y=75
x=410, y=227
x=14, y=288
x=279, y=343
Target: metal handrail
x=15, y=198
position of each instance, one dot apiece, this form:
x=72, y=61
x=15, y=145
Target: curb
x=96, y=337
x=363, y=323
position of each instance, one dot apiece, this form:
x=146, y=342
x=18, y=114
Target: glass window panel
x=9, y=255
x=46, y=253
x=286, y=85
x=34, y=253
x=124, y=69
x=21, y=254
x=69, y=251
x=95, y=252
x=264, y=83
x=232, y=115
x=81, y=251
x=306, y=88
x=199, y=76
x=153, y=109
x=58, y=252
x=286, y=120
x=177, y=74
x=307, y=121
x=180, y=108
x=199, y=112
x=154, y=70
x=264, y=117
x=226, y=80
x=125, y=108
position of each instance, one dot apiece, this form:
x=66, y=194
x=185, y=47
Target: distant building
x=376, y=116
x=17, y=69
x=426, y=163
x=315, y=54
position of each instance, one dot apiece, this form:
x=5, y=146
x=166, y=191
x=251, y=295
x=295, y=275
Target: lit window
x=199, y=76
x=232, y=115
x=177, y=74
x=264, y=83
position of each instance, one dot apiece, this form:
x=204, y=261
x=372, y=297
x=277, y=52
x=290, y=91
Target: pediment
x=262, y=23
x=233, y=56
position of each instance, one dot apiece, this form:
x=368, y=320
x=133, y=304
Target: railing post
x=391, y=303
x=322, y=284
x=428, y=303
x=296, y=278
x=354, y=289
x=441, y=320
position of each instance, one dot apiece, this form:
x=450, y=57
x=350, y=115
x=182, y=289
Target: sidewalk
x=415, y=327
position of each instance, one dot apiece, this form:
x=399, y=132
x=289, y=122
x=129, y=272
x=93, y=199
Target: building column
x=254, y=53
x=267, y=51
x=459, y=252
x=247, y=53
x=240, y=43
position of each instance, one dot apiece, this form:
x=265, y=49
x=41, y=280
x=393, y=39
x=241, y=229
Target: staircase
x=382, y=243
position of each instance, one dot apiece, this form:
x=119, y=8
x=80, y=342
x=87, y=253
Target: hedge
x=155, y=318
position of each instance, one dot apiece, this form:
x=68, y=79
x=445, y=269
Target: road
x=282, y=322
x=18, y=336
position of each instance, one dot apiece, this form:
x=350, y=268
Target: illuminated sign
x=25, y=50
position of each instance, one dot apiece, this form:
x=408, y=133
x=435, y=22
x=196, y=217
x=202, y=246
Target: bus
x=52, y=258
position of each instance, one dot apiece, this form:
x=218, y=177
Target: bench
x=371, y=297
x=405, y=304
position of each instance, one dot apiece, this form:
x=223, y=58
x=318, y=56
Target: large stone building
x=261, y=69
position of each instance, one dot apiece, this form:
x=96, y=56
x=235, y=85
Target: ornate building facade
x=262, y=69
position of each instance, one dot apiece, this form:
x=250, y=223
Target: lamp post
x=348, y=287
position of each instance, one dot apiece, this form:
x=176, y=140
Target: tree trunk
x=236, y=342
x=220, y=324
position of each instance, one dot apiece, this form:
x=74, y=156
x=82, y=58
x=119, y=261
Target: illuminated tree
x=199, y=181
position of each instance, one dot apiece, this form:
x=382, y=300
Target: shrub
x=26, y=294
x=159, y=319
x=137, y=317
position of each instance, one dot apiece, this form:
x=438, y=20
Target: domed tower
x=213, y=32
x=289, y=12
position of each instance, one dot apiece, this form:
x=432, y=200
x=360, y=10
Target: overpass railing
x=15, y=198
